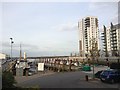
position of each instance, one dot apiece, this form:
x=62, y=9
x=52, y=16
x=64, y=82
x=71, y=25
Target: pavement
x=21, y=79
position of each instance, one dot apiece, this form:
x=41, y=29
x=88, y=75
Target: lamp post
x=11, y=46
x=86, y=55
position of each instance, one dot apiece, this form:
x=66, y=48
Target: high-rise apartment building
x=111, y=40
x=89, y=33
x=106, y=41
x=115, y=39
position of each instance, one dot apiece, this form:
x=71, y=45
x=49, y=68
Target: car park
x=111, y=76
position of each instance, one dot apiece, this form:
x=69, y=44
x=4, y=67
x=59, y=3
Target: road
x=66, y=80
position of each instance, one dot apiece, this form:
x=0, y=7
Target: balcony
x=87, y=19
x=113, y=44
x=104, y=42
x=103, y=39
x=104, y=45
x=102, y=33
x=113, y=34
x=113, y=40
x=113, y=29
x=85, y=31
x=115, y=47
x=87, y=25
x=104, y=48
x=102, y=36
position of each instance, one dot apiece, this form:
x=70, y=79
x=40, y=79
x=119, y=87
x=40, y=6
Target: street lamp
x=86, y=55
x=11, y=46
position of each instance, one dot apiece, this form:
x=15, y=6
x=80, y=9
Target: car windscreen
x=108, y=72
x=105, y=72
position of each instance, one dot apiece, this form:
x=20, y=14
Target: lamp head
x=11, y=38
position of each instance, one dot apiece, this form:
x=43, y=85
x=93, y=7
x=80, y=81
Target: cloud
x=114, y=19
x=101, y=5
x=103, y=0
x=119, y=12
x=66, y=27
x=59, y=0
x=5, y=44
x=17, y=46
x=29, y=48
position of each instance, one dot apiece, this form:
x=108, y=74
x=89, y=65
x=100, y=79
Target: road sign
x=40, y=66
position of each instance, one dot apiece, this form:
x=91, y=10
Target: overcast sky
x=49, y=28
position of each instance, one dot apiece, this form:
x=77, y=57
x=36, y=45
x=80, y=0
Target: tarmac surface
x=74, y=79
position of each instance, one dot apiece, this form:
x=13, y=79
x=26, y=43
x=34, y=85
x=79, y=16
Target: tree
x=94, y=52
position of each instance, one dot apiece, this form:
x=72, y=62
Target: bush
x=8, y=80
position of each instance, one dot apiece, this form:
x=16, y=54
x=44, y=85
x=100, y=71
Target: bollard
x=86, y=77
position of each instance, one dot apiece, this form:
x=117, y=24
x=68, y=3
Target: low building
x=3, y=56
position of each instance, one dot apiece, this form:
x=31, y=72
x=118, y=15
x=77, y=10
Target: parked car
x=97, y=74
x=115, y=66
x=111, y=76
x=32, y=71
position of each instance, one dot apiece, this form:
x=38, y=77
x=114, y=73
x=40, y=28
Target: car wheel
x=101, y=80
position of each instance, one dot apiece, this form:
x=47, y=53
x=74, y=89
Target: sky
x=49, y=28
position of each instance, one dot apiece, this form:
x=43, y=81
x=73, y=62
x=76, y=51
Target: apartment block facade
x=106, y=41
x=111, y=40
x=88, y=31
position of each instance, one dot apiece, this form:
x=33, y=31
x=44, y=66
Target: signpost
x=40, y=66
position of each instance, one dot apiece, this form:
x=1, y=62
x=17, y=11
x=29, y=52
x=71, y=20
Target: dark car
x=110, y=76
x=97, y=75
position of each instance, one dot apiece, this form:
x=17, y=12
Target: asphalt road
x=66, y=80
